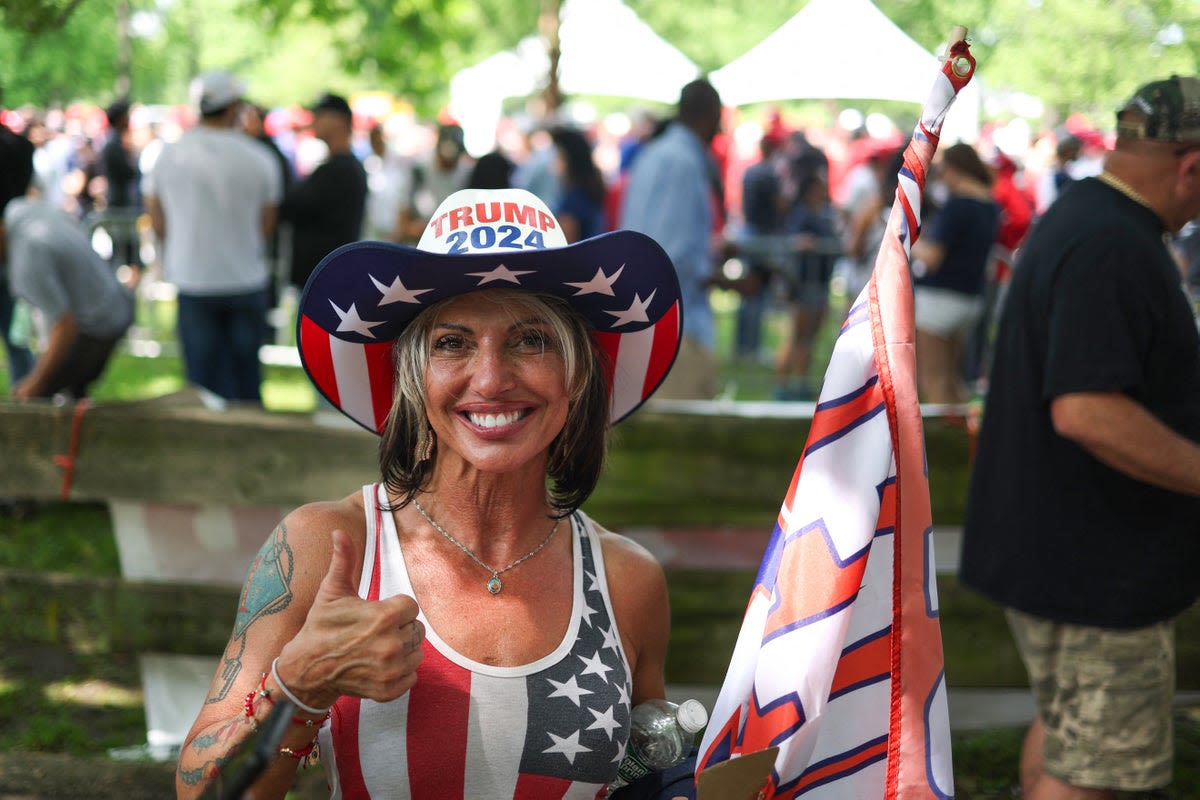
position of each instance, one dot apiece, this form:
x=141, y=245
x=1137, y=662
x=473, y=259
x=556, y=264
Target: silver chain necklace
x=494, y=585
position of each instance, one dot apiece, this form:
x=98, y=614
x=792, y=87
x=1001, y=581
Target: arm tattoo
x=268, y=590
x=230, y=730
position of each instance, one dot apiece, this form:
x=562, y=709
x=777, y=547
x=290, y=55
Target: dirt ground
x=53, y=776
x=25, y=776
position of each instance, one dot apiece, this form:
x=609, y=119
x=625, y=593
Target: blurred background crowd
x=797, y=216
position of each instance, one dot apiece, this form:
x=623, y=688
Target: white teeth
x=494, y=420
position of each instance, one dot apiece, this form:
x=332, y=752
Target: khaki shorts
x=1105, y=697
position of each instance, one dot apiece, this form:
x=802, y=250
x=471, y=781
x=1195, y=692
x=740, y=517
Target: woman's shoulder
x=312, y=523
x=350, y=506
x=640, y=601
x=624, y=556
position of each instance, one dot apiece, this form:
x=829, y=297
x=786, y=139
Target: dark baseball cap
x=1162, y=111
x=332, y=102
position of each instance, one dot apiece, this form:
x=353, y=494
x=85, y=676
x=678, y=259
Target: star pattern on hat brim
x=500, y=273
x=352, y=322
x=599, y=284
x=397, y=292
x=635, y=313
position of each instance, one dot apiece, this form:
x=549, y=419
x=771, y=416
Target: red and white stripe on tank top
x=555, y=728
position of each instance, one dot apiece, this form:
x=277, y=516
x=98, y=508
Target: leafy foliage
x=37, y=16
x=74, y=53
x=409, y=47
x=1074, y=56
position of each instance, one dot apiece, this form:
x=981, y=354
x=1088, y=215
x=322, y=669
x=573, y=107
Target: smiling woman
x=464, y=594
x=533, y=333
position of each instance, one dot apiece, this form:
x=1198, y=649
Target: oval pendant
x=494, y=585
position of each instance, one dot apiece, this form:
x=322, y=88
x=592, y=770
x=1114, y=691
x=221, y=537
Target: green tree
x=56, y=52
x=1075, y=55
x=36, y=16
x=409, y=47
x=53, y=53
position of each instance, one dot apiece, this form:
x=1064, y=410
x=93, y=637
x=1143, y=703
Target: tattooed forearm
x=233, y=729
x=228, y=730
x=231, y=666
x=268, y=590
x=192, y=777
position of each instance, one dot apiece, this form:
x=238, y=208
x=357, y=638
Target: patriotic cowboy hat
x=362, y=295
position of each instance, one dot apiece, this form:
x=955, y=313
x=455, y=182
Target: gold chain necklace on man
x=494, y=584
x=1124, y=188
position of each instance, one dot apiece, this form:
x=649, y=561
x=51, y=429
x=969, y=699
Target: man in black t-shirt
x=326, y=208
x=1083, y=517
x=123, y=203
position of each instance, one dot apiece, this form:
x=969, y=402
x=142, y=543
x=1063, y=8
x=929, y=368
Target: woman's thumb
x=340, y=579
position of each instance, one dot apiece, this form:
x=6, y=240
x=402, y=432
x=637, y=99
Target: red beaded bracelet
x=303, y=752
x=306, y=755
x=310, y=723
x=248, y=705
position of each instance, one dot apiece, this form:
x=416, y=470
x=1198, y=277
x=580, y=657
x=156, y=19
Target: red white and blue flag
x=839, y=659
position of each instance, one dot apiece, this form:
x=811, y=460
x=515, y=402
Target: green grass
x=75, y=538
x=284, y=388
x=130, y=377
x=56, y=701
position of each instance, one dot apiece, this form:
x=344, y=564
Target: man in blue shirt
x=669, y=197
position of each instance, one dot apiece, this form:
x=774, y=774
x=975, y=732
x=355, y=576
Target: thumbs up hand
x=351, y=646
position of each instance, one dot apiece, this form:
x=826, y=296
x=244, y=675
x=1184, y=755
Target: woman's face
x=496, y=391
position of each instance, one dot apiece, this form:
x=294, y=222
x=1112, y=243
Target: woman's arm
x=859, y=225
x=930, y=252
x=300, y=610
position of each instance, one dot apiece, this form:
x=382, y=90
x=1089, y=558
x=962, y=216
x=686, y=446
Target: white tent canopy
x=607, y=50
x=846, y=50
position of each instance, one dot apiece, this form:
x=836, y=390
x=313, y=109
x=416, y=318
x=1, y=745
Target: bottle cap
x=691, y=716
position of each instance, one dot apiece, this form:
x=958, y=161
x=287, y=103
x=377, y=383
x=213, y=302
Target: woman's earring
x=425, y=446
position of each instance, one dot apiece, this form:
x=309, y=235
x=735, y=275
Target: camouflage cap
x=1164, y=111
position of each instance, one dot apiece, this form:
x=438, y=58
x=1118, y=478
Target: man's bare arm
x=1120, y=432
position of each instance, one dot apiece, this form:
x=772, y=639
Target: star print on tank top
x=554, y=728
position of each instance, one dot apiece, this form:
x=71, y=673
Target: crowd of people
x=788, y=221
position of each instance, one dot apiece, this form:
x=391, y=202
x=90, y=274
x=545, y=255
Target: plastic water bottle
x=660, y=736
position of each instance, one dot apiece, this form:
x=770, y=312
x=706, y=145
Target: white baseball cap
x=213, y=91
